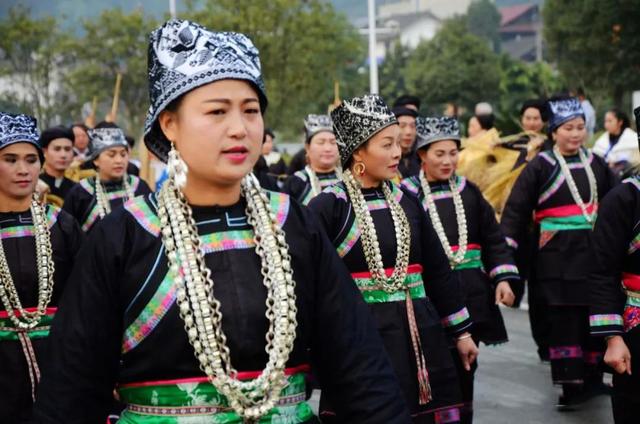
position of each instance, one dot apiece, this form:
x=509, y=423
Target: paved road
x=512, y=386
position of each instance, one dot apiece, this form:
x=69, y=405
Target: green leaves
x=305, y=46
x=595, y=43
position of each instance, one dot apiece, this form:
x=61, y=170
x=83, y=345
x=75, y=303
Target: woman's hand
x=617, y=355
x=467, y=350
x=504, y=294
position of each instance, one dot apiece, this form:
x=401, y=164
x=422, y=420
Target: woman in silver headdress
x=37, y=249
x=322, y=161
x=560, y=189
x=143, y=313
x=396, y=261
x=470, y=236
x=94, y=197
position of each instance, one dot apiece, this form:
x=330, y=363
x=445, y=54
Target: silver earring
x=177, y=168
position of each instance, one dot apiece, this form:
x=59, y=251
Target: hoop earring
x=359, y=168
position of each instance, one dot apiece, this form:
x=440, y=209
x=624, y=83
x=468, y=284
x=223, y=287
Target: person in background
x=589, y=112
x=559, y=190
x=396, y=260
x=470, y=236
x=92, y=199
x=479, y=125
x=615, y=293
x=408, y=101
x=322, y=157
x=57, y=146
x=618, y=144
x=271, y=155
x=409, y=162
x=81, y=141
x=38, y=244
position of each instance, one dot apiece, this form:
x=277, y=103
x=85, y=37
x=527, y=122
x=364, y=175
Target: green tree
x=31, y=64
x=114, y=42
x=392, y=82
x=595, y=43
x=304, y=46
x=453, y=67
x=521, y=81
x=483, y=20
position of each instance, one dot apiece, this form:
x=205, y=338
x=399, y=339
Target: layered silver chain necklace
x=25, y=320
x=370, y=242
x=200, y=310
x=455, y=258
x=104, y=206
x=573, y=188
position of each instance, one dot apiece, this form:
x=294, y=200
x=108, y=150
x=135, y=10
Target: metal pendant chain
x=370, y=243
x=104, y=206
x=200, y=310
x=314, y=181
x=8, y=293
x=455, y=258
x=593, y=186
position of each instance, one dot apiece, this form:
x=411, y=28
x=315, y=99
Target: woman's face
x=439, y=160
x=570, y=135
x=474, y=127
x=267, y=146
x=218, y=131
x=380, y=155
x=112, y=163
x=81, y=139
x=322, y=151
x=531, y=120
x=612, y=124
x=19, y=170
x=58, y=154
x=407, y=132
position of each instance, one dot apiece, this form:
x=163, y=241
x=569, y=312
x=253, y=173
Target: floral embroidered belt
x=8, y=330
x=373, y=293
x=631, y=315
x=197, y=400
x=472, y=258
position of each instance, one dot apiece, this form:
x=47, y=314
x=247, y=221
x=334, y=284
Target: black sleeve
x=518, y=211
x=325, y=208
x=72, y=204
x=611, y=237
x=439, y=279
x=496, y=255
x=352, y=364
x=74, y=236
x=143, y=188
x=78, y=379
x=294, y=187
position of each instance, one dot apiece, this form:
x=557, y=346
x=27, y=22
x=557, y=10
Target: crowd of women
x=373, y=273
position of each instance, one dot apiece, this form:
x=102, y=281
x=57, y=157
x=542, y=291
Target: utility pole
x=373, y=60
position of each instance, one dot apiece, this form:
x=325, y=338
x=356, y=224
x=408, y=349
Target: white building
x=441, y=9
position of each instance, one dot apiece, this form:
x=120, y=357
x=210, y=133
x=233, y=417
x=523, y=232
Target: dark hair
x=105, y=124
x=407, y=99
x=535, y=104
x=486, y=121
x=580, y=92
x=130, y=140
x=80, y=125
x=621, y=116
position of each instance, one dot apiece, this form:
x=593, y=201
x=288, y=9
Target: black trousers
x=575, y=354
x=539, y=320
